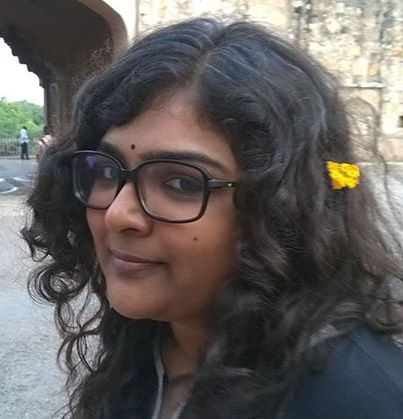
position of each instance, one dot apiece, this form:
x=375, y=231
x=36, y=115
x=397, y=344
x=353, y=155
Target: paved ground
x=30, y=381
x=16, y=176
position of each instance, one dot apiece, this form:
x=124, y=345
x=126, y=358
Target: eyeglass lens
x=172, y=191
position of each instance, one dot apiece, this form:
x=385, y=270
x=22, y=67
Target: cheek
x=95, y=221
x=209, y=252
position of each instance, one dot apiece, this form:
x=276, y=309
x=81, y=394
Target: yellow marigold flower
x=343, y=175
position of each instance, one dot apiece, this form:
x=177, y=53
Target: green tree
x=13, y=115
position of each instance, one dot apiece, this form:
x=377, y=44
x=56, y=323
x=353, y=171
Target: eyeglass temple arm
x=217, y=184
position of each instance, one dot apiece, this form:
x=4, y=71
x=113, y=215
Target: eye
x=172, y=182
x=185, y=185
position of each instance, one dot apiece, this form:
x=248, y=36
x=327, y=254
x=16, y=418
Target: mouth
x=128, y=264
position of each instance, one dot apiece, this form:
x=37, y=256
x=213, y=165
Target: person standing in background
x=24, y=139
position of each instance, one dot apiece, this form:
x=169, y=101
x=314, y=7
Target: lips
x=131, y=264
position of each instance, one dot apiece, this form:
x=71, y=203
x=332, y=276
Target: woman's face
x=160, y=270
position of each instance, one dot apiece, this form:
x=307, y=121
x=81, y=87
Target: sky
x=16, y=82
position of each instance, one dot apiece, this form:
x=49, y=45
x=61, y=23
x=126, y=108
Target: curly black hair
x=309, y=256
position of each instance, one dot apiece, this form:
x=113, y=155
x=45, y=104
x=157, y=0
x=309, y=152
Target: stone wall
x=360, y=41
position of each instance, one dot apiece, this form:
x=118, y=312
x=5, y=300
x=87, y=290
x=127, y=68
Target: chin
x=129, y=314
x=133, y=310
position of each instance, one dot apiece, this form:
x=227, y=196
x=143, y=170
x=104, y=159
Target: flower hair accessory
x=343, y=175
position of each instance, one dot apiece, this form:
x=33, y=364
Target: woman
x=231, y=242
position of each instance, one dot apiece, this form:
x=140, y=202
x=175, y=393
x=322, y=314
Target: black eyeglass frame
x=132, y=175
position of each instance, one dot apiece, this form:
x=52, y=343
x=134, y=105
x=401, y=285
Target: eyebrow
x=182, y=155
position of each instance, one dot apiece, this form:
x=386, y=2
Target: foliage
x=13, y=115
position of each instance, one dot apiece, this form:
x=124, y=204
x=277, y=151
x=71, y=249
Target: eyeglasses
x=167, y=190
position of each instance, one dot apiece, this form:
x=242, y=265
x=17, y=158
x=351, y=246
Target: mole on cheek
x=195, y=239
x=132, y=146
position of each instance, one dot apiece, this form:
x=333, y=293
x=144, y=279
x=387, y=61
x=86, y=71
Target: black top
x=363, y=379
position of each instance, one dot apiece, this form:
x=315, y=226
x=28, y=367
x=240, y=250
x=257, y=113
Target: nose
x=125, y=213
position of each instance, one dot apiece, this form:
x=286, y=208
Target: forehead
x=169, y=125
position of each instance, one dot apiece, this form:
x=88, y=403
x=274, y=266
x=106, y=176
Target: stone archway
x=120, y=17
x=61, y=42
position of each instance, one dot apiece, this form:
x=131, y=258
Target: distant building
x=361, y=42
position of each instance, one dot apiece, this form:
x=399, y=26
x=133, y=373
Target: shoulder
x=362, y=379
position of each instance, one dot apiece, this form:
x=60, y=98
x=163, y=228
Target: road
x=30, y=381
x=16, y=176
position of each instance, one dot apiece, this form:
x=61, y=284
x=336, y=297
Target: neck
x=183, y=348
